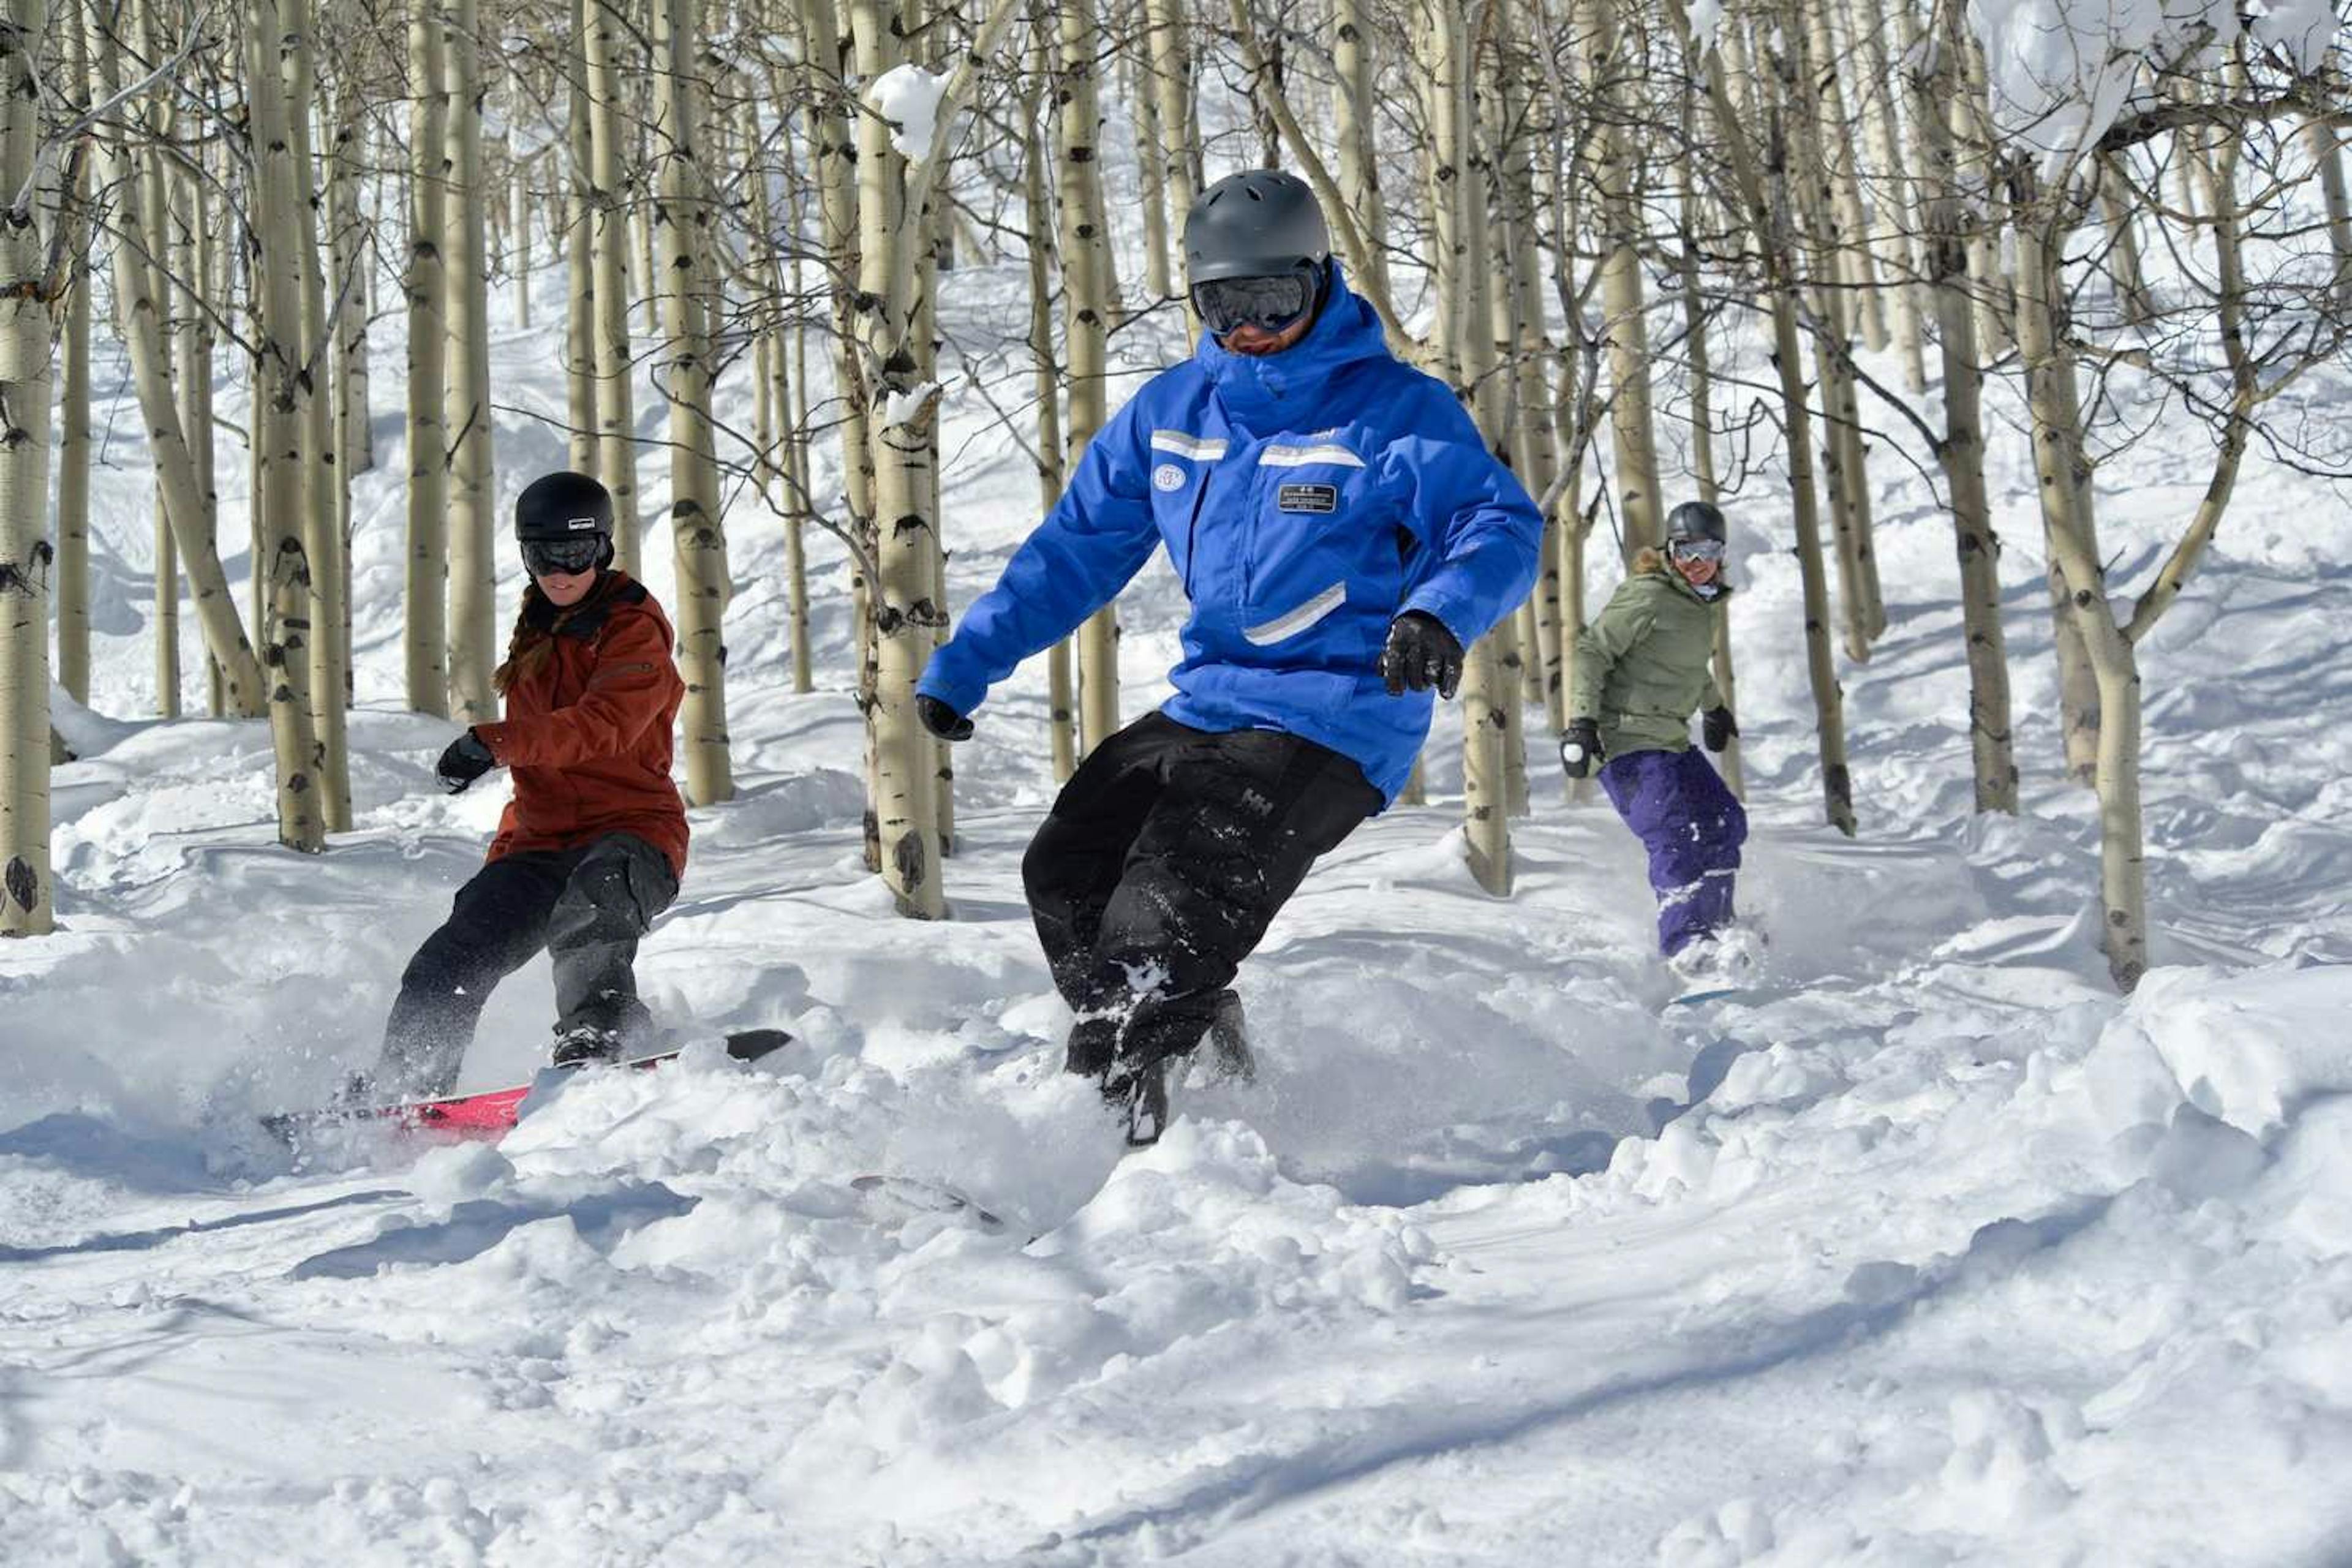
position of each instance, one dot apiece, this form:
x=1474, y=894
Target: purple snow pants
x=1693, y=828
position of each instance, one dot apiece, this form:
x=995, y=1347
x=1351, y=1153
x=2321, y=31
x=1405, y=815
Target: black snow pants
x=587, y=907
x=1164, y=859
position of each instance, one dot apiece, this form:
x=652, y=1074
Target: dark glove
x=466, y=760
x=941, y=719
x=1579, y=749
x=1717, y=728
x=1421, y=653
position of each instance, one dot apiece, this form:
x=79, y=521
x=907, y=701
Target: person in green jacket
x=1642, y=667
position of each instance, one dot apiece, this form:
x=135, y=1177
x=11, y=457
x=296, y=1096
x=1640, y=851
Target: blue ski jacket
x=1306, y=497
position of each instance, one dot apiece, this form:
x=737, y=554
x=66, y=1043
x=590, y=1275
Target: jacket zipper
x=1192, y=528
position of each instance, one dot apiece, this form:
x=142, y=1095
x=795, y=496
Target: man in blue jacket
x=1342, y=534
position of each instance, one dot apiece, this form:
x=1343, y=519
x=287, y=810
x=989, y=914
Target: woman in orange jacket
x=592, y=846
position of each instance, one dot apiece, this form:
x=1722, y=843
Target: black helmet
x=559, y=509
x=1261, y=223
x=563, y=505
x=1694, y=520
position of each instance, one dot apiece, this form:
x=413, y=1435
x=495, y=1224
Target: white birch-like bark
x=1356, y=67
x=73, y=428
x=1158, y=275
x=473, y=490
x=1702, y=441
x=1458, y=207
x=27, y=555
x=1770, y=227
x=1173, y=107
x=2062, y=465
x=1943, y=126
x=1850, y=228
x=1061, y=675
x=2326, y=143
x=580, y=274
x=699, y=539
x=139, y=318
x=281, y=428
x=328, y=498
x=1820, y=224
x=1085, y=248
x=424, y=632
x=1617, y=174
x=1893, y=209
x=604, y=41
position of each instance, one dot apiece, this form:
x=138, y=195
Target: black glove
x=466, y=760
x=941, y=719
x=1717, y=728
x=1579, y=749
x=1421, y=653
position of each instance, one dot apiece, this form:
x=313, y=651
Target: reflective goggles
x=561, y=557
x=1698, y=549
x=1274, y=304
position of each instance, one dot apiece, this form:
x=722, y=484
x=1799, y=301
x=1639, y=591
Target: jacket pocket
x=1299, y=617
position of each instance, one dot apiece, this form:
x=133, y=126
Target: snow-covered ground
x=1935, y=1251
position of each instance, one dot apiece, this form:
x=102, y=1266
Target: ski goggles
x=1272, y=304
x=1698, y=549
x=561, y=557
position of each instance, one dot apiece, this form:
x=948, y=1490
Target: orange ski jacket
x=588, y=734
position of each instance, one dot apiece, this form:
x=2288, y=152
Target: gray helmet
x=1261, y=223
x=1694, y=520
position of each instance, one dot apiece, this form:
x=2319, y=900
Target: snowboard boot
x=1138, y=1093
x=1229, y=1048
x=584, y=1044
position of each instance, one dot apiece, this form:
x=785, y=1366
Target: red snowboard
x=488, y=1114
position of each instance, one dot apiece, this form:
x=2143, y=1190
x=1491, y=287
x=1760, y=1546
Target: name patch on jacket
x=1307, y=497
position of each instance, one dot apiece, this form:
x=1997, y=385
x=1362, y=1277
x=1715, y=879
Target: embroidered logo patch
x=1307, y=497
x=581, y=524
x=1167, y=477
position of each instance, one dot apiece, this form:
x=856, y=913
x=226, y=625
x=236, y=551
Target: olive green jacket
x=1644, y=664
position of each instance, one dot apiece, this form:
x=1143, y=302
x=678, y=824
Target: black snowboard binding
x=584, y=1044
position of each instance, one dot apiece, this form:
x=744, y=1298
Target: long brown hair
x=535, y=629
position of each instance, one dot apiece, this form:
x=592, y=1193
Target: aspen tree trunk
x=1574, y=409
x=1702, y=439
x=1085, y=271
x=1849, y=229
x=1490, y=304
x=151, y=114
x=519, y=220
x=425, y=633
x=834, y=148
x=1943, y=125
x=937, y=238
x=2064, y=471
x=2077, y=574
x=2327, y=155
x=605, y=42
x=193, y=246
x=473, y=490
x=1172, y=91
x=1159, y=277
x=1892, y=207
x=1617, y=176
x=580, y=275
x=1770, y=227
x=1847, y=481
x=1458, y=207
x=1995, y=306
x=2123, y=248
x=348, y=250
x=1352, y=122
x=73, y=414
x=27, y=557
x=327, y=501
x=641, y=228
x=796, y=446
x=893, y=199
x=139, y=318
x=1060, y=677
x=281, y=426
x=682, y=224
